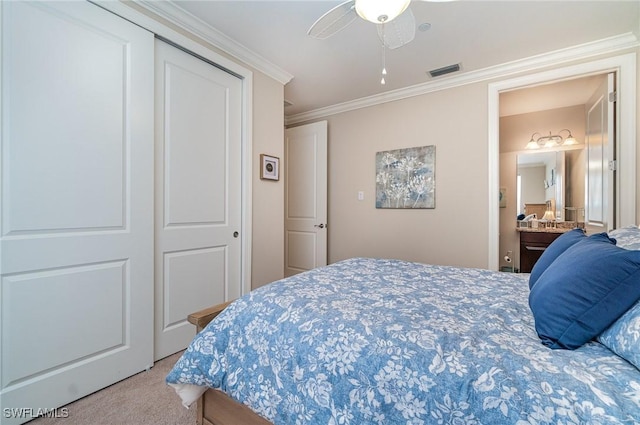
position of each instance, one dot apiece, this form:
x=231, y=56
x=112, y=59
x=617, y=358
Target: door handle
x=321, y=225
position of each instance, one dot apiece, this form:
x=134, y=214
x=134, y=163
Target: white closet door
x=77, y=204
x=198, y=192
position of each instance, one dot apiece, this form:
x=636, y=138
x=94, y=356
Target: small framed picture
x=269, y=167
x=503, y=197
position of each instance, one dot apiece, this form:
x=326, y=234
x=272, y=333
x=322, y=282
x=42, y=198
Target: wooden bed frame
x=215, y=407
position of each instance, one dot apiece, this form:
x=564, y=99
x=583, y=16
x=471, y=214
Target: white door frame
x=246, y=76
x=625, y=68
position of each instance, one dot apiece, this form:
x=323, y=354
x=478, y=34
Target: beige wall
x=455, y=232
x=268, y=196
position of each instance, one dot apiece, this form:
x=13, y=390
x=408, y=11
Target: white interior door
x=305, y=177
x=600, y=148
x=77, y=204
x=198, y=192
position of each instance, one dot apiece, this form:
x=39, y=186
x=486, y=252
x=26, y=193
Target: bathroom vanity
x=533, y=242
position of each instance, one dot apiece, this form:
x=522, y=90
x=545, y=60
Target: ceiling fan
x=395, y=21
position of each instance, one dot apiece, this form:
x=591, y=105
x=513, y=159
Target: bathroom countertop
x=543, y=229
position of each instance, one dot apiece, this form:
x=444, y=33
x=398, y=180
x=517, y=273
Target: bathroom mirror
x=552, y=176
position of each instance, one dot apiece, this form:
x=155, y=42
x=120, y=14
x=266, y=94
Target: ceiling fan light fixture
x=381, y=11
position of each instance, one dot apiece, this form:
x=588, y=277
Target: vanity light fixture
x=551, y=141
x=380, y=11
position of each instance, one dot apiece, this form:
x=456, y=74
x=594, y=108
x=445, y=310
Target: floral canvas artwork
x=405, y=178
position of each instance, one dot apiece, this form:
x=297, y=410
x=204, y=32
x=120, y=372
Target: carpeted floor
x=143, y=399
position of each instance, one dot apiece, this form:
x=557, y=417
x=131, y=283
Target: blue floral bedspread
x=367, y=341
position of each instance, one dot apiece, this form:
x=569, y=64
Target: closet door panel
x=66, y=102
x=196, y=146
x=198, y=192
x=76, y=239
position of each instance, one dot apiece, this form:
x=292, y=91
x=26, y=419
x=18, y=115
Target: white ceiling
x=476, y=34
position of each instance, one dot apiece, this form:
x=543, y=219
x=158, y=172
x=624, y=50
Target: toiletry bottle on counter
x=534, y=223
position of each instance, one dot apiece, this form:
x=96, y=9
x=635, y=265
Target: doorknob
x=322, y=226
x=236, y=234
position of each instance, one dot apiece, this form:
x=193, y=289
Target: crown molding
x=533, y=63
x=174, y=14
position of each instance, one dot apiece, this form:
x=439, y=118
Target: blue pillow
x=552, y=252
x=583, y=291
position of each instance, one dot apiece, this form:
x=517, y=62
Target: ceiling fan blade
x=398, y=32
x=334, y=20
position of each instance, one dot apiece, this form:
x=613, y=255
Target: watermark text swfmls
x=32, y=413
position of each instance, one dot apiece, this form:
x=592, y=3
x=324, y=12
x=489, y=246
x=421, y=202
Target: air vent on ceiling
x=287, y=103
x=444, y=70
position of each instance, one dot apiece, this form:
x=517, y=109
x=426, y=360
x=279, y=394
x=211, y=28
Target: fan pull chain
x=384, y=59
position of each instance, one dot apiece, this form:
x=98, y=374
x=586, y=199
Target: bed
x=383, y=341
